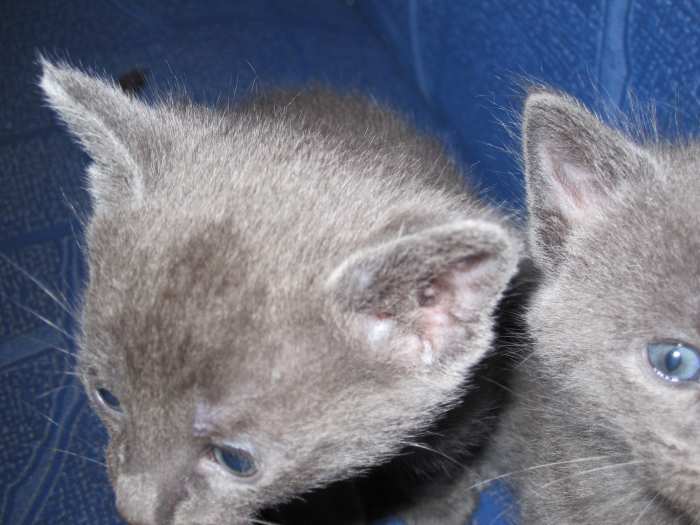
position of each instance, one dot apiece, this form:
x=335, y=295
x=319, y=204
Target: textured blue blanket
x=454, y=66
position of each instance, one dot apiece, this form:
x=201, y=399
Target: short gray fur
x=594, y=434
x=302, y=275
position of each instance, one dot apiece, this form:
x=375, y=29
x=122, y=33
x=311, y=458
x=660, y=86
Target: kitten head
x=251, y=330
x=615, y=226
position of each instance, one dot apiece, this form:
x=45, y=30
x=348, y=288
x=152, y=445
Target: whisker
x=68, y=452
x=64, y=351
x=534, y=405
x=94, y=357
x=53, y=391
x=43, y=319
x=56, y=423
x=48, y=418
x=301, y=498
x=500, y=385
x=645, y=509
x=602, y=511
x=537, y=467
x=502, y=513
x=262, y=522
x=592, y=471
x=82, y=220
x=44, y=288
x=52, y=346
x=429, y=449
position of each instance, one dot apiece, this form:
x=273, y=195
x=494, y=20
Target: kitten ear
x=422, y=297
x=110, y=125
x=573, y=164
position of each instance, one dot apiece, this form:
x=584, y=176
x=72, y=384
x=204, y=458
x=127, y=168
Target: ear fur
x=419, y=296
x=573, y=165
x=111, y=126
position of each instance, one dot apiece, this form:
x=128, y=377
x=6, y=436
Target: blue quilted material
x=454, y=67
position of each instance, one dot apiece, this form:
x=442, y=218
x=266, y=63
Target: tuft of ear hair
x=420, y=296
x=573, y=165
x=111, y=125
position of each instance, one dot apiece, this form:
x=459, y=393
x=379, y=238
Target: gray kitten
x=605, y=428
x=281, y=294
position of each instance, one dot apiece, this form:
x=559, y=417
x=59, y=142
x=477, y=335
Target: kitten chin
x=283, y=294
x=602, y=427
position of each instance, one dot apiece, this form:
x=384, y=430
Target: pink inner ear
x=571, y=185
x=429, y=295
x=572, y=180
x=441, y=316
x=448, y=302
x=436, y=323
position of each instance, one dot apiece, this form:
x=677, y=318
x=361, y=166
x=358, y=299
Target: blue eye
x=109, y=399
x=674, y=361
x=238, y=461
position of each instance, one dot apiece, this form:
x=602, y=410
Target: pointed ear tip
x=543, y=100
x=542, y=95
x=64, y=85
x=51, y=66
x=548, y=113
x=52, y=74
x=48, y=69
x=58, y=73
x=498, y=240
x=490, y=229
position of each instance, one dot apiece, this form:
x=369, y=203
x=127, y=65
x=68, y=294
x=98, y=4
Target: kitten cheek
x=115, y=456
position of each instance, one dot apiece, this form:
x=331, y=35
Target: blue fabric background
x=455, y=67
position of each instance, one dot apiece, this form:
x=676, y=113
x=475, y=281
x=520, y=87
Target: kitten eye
x=108, y=399
x=236, y=460
x=674, y=361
